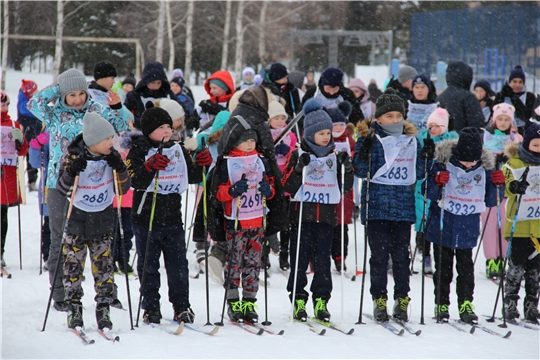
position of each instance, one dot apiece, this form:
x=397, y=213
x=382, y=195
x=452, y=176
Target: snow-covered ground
x=24, y=300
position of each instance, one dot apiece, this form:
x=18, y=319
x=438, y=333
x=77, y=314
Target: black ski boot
x=300, y=312
x=321, y=312
x=102, y=316
x=419, y=243
x=75, y=315
x=284, y=260
x=380, y=312
x=235, y=310
x=338, y=262
x=530, y=310
x=248, y=306
x=152, y=316
x=466, y=313
x=442, y=312
x=127, y=270
x=400, y=308
x=183, y=314
x=117, y=304
x=510, y=307
x=61, y=306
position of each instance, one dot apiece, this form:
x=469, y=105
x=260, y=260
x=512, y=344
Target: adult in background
x=276, y=79
x=403, y=84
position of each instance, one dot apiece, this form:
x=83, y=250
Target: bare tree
x=239, y=53
x=189, y=41
x=226, y=30
x=262, y=29
x=160, y=31
x=5, y=44
x=170, y=36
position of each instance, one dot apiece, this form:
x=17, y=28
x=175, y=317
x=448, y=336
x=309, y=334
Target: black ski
x=407, y=327
x=453, y=323
x=332, y=326
x=492, y=332
x=109, y=335
x=312, y=327
x=519, y=322
x=386, y=325
x=5, y=273
x=265, y=329
x=82, y=335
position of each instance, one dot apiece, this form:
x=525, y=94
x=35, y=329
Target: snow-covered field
x=24, y=299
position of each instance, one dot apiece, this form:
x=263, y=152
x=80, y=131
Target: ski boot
x=419, y=243
x=216, y=262
x=248, y=307
x=300, y=312
x=102, y=316
x=530, y=310
x=510, y=307
x=380, y=312
x=442, y=312
x=337, y=262
x=235, y=310
x=466, y=313
x=492, y=268
x=75, y=315
x=152, y=316
x=61, y=306
x=183, y=314
x=127, y=270
x=400, y=308
x=283, y=261
x=427, y=265
x=117, y=304
x=321, y=312
x=356, y=212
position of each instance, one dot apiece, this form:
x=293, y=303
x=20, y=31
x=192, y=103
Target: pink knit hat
x=439, y=117
x=503, y=109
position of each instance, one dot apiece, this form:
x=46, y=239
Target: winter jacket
x=84, y=223
x=8, y=173
x=312, y=211
x=31, y=125
x=168, y=207
x=186, y=103
x=404, y=93
x=366, y=105
x=523, y=229
x=290, y=140
x=524, y=109
x=36, y=157
x=462, y=105
x=289, y=93
x=348, y=198
x=64, y=123
x=459, y=231
x=386, y=202
x=374, y=92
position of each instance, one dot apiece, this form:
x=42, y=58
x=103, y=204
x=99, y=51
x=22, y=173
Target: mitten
x=209, y=107
x=428, y=150
x=114, y=159
x=156, y=162
x=365, y=149
x=76, y=166
x=204, y=158
x=303, y=160
x=265, y=188
x=497, y=178
x=240, y=187
x=17, y=136
x=344, y=159
x=282, y=149
x=194, y=122
x=442, y=178
x=518, y=187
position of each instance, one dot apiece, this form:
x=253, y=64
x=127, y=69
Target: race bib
x=174, y=179
x=465, y=192
x=321, y=183
x=147, y=99
x=99, y=96
x=326, y=102
x=95, y=190
x=343, y=146
x=8, y=149
x=251, y=204
x=400, y=161
x=529, y=209
x=487, y=113
x=367, y=109
x=419, y=113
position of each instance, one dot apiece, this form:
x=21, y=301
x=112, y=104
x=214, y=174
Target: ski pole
x=197, y=200
x=424, y=228
x=342, y=241
x=294, y=112
x=439, y=271
x=122, y=241
x=41, y=216
x=356, y=272
x=205, y=221
x=18, y=201
x=482, y=236
x=298, y=243
x=69, y=205
x=265, y=322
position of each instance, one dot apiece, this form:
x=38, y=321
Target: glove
x=40, y=140
x=303, y=160
x=210, y=108
x=17, y=136
x=497, y=178
x=194, y=122
x=156, y=162
x=204, y=158
x=428, y=150
x=344, y=159
x=442, y=178
x=76, y=166
x=500, y=159
x=265, y=188
x=114, y=159
x=518, y=187
x=240, y=187
x=365, y=149
x=282, y=149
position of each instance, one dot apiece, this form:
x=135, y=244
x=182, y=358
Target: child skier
x=522, y=261
x=319, y=192
x=168, y=236
x=89, y=166
x=463, y=181
x=484, y=93
x=391, y=143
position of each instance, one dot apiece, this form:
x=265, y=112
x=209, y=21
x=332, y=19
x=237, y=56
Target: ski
x=5, y=273
x=522, y=323
x=176, y=332
x=386, y=325
x=198, y=329
x=250, y=329
x=312, y=327
x=407, y=327
x=347, y=276
x=453, y=323
x=492, y=332
x=131, y=275
x=332, y=326
x=109, y=335
x=82, y=335
x=265, y=329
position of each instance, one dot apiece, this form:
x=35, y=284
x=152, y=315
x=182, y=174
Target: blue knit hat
x=316, y=119
x=422, y=79
x=332, y=76
x=517, y=73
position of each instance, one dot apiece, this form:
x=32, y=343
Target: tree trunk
x=189, y=42
x=160, y=31
x=226, y=30
x=5, y=44
x=58, y=42
x=239, y=54
x=262, y=34
x=171, y=39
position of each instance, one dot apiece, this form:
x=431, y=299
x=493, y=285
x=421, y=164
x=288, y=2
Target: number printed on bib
x=8, y=150
x=174, y=179
x=95, y=190
x=251, y=204
x=465, y=192
x=530, y=201
x=321, y=185
x=400, y=161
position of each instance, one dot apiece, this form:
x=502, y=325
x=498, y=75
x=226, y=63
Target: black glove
x=282, y=149
x=344, y=159
x=76, y=166
x=193, y=122
x=507, y=91
x=210, y=108
x=500, y=159
x=518, y=187
x=428, y=150
x=265, y=188
x=240, y=187
x=365, y=149
x=115, y=160
x=303, y=160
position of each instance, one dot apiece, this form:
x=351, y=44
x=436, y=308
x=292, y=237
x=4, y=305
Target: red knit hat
x=28, y=87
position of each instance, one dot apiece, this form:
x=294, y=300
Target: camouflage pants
x=75, y=249
x=520, y=266
x=245, y=258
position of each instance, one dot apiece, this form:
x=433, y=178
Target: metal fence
x=490, y=39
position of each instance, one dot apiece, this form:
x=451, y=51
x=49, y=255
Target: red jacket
x=224, y=197
x=8, y=187
x=224, y=76
x=347, y=197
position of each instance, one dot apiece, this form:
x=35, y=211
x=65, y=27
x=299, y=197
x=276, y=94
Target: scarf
x=320, y=151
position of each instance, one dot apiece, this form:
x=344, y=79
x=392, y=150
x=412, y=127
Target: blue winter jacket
x=386, y=202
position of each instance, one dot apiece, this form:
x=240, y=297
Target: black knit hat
x=517, y=72
x=484, y=84
x=130, y=79
x=332, y=76
x=154, y=117
x=387, y=102
x=245, y=136
x=277, y=71
x=104, y=69
x=469, y=145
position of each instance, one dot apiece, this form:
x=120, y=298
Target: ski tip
x=260, y=332
x=214, y=331
x=323, y=331
x=350, y=332
x=116, y=338
x=281, y=332
x=472, y=330
x=508, y=334
x=91, y=342
x=180, y=329
x=418, y=333
x=401, y=332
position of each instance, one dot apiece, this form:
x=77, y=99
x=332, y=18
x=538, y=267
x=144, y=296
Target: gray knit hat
x=95, y=129
x=71, y=80
x=316, y=119
x=387, y=102
x=406, y=73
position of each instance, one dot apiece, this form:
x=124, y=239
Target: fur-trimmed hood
x=511, y=150
x=445, y=149
x=363, y=127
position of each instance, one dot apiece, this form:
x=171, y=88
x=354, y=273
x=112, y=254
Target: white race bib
x=400, y=161
x=326, y=102
x=8, y=149
x=419, y=113
x=251, y=205
x=367, y=109
x=321, y=185
x=465, y=192
x=174, y=179
x=529, y=209
x=95, y=190
x=343, y=146
x=99, y=96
